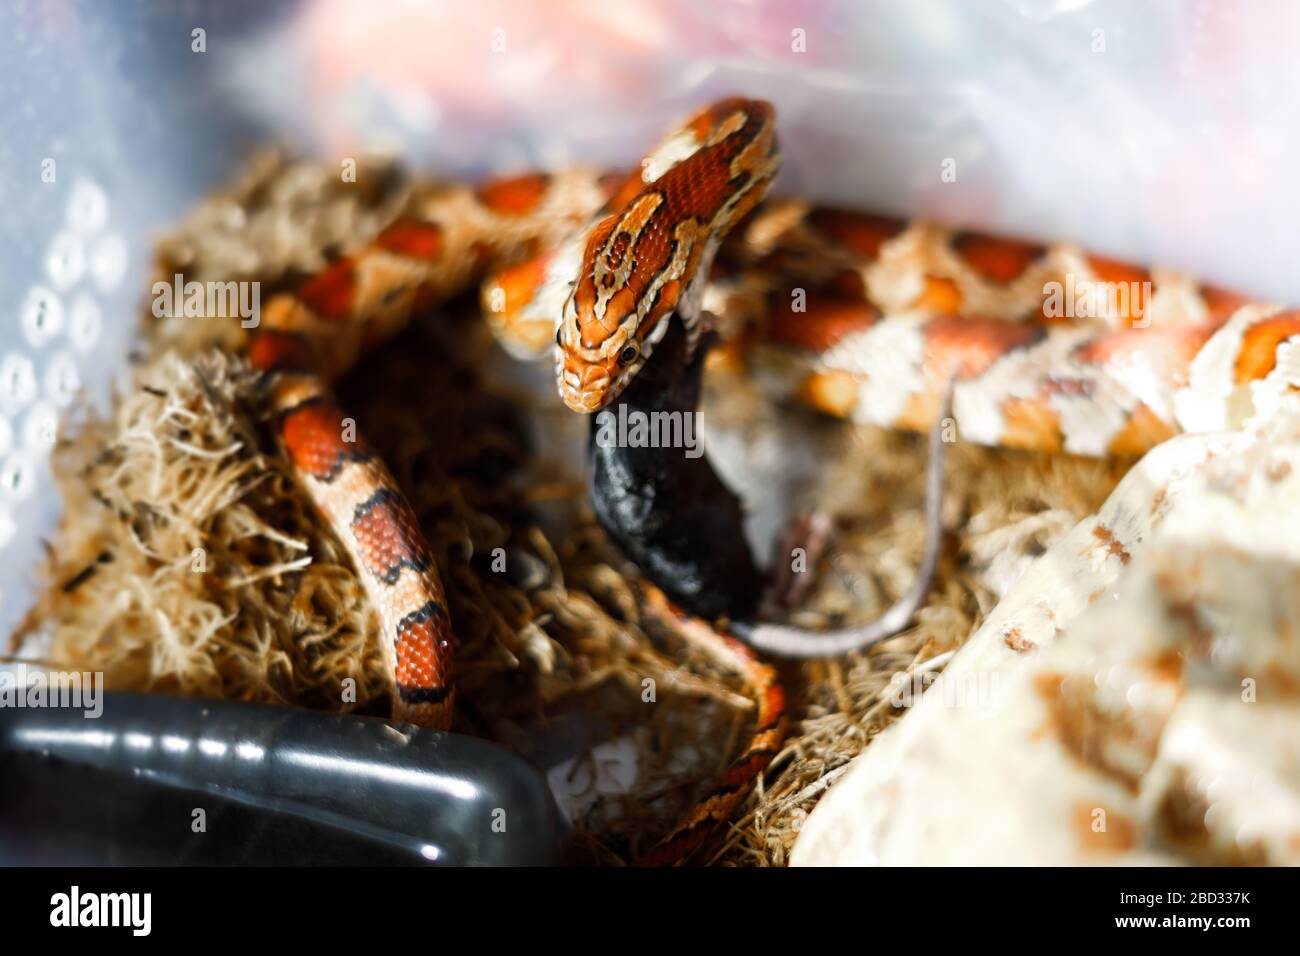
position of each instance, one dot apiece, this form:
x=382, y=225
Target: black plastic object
x=275, y=786
x=671, y=514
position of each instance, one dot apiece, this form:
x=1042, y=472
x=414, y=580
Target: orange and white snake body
x=309, y=337
x=861, y=316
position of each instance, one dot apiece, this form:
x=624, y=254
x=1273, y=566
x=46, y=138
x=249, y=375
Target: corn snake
x=893, y=315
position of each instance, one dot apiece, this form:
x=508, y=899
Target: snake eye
x=626, y=356
x=559, y=336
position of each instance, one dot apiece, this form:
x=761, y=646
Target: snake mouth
x=583, y=399
x=582, y=402
x=586, y=386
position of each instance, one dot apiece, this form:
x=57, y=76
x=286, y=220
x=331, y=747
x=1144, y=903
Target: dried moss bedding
x=189, y=561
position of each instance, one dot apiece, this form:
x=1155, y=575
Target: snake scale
x=861, y=316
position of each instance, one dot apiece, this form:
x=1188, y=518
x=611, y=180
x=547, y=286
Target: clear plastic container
x=1161, y=132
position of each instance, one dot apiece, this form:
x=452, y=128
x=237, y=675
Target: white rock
x=1134, y=699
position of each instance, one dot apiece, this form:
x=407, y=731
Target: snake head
x=598, y=356
x=652, y=256
x=609, y=325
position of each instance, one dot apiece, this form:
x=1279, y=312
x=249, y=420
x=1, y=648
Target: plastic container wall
x=1161, y=132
